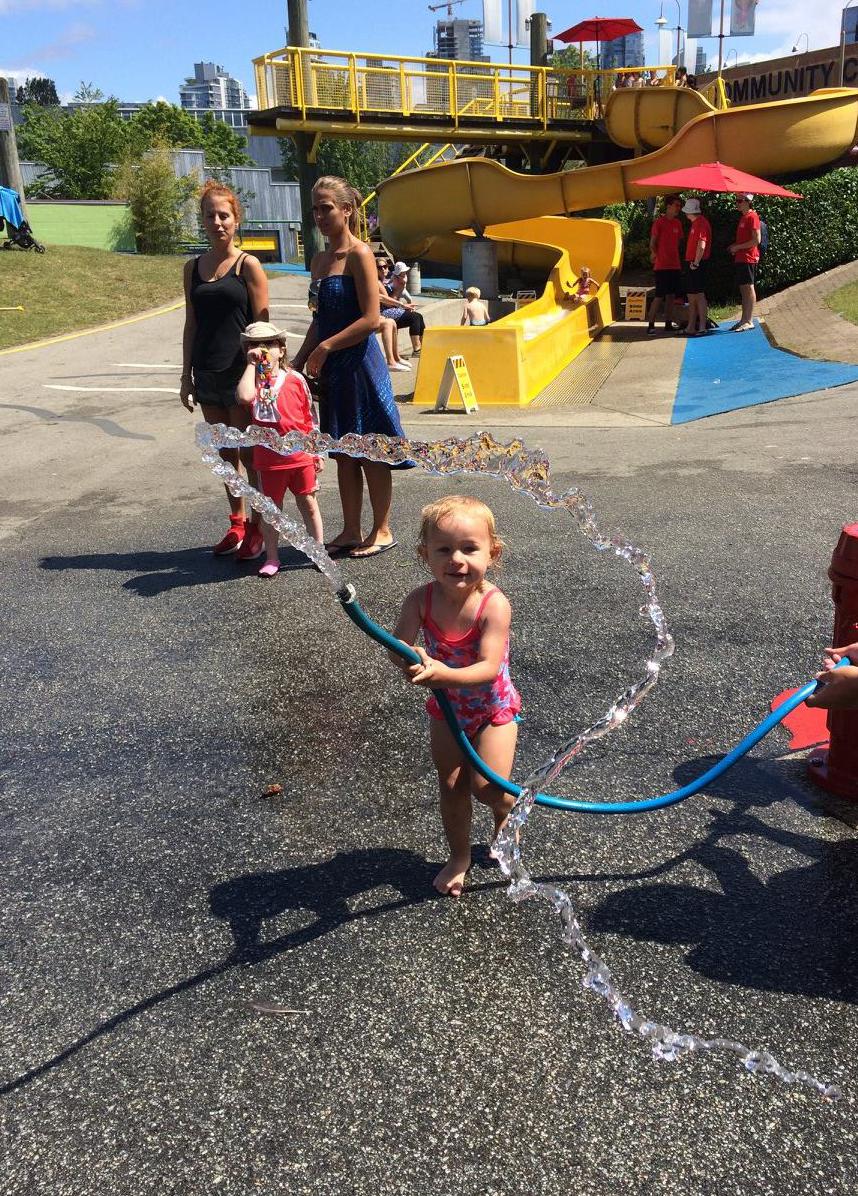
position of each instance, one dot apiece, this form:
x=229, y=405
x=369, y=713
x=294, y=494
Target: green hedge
x=806, y=237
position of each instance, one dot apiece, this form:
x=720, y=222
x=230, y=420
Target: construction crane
x=448, y=5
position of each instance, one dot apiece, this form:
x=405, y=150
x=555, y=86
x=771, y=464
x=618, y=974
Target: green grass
x=69, y=288
x=845, y=302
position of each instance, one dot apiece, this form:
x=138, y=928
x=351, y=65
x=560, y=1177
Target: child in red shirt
x=281, y=400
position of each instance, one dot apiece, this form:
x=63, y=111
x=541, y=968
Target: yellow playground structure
x=428, y=212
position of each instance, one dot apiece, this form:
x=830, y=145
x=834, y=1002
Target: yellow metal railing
x=313, y=82
x=424, y=156
x=716, y=93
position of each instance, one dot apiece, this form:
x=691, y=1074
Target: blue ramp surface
x=725, y=371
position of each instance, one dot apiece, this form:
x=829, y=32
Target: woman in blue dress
x=341, y=350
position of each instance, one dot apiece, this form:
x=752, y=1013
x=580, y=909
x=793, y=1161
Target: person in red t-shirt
x=664, y=240
x=746, y=253
x=281, y=400
x=698, y=249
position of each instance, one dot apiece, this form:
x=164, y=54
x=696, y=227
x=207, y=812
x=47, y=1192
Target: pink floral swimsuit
x=476, y=706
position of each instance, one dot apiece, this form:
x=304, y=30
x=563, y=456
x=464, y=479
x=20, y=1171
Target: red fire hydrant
x=837, y=769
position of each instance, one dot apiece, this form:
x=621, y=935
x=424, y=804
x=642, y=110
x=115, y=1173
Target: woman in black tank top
x=225, y=290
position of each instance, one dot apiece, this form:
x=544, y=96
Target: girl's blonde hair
x=343, y=193
x=459, y=504
x=213, y=187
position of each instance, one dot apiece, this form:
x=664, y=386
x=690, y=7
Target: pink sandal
x=269, y=569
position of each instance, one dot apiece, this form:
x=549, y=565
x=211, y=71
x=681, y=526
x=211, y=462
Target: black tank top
x=222, y=311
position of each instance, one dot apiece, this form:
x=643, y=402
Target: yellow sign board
x=636, y=305
x=251, y=243
x=456, y=375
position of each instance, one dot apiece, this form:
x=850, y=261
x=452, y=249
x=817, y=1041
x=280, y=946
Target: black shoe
x=669, y=326
x=650, y=330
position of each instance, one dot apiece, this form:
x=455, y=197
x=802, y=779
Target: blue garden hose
x=359, y=616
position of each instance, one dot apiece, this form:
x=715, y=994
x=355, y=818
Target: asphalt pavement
x=211, y=990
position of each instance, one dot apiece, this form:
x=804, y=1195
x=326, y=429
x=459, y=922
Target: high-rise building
x=459, y=39
x=849, y=24
x=622, y=51
x=700, y=61
x=210, y=89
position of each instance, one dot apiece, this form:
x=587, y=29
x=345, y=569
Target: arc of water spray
x=526, y=472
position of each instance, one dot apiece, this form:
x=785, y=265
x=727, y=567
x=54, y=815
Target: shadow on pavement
x=109, y=426
x=789, y=931
x=159, y=572
x=246, y=902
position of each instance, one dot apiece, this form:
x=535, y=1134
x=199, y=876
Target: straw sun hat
x=261, y=331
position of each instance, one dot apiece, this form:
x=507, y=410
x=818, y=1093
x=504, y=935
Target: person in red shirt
x=280, y=399
x=664, y=241
x=746, y=253
x=698, y=249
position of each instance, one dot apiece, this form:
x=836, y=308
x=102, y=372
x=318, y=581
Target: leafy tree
x=170, y=125
x=161, y=205
x=77, y=147
x=362, y=163
x=570, y=58
x=223, y=146
x=88, y=93
x=38, y=90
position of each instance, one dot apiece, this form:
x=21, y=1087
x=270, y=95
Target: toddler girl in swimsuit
x=465, y=624
x=280, y=400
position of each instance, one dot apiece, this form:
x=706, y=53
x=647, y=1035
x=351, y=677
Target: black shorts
x=216, y=388
x=668, y=282
x=695, y=281
x=746, y=272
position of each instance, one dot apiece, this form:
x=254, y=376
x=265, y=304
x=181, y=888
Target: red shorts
x=299, y=479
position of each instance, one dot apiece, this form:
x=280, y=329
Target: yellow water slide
x=425, y=213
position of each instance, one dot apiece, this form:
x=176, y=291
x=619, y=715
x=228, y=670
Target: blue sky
x=143, y=49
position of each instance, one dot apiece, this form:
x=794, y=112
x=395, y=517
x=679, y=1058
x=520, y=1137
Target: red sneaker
x=253, y=545
x=231, y=542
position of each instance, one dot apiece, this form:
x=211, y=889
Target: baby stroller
x=20, y=234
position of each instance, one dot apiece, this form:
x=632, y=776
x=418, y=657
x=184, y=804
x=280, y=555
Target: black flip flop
x=373, y=550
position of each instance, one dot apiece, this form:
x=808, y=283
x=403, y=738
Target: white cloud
x=786, y=19
x=63, y=45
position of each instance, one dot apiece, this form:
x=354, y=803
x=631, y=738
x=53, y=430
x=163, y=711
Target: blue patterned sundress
x=356, y=389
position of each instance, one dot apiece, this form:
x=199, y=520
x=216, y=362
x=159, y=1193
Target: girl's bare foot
x=500, y=819
x=451, y=879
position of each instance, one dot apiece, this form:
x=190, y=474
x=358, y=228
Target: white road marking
x=296, y=306
x=161, y=390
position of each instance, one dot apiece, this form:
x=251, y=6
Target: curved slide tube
x=645, y=118
x=765, y=139
x=361, y=619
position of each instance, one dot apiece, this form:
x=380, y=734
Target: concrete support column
x=480, y=266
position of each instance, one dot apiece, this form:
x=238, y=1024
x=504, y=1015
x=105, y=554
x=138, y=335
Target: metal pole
x=538, y=38
x=538, y=53
x=679, y=30
x=721, y=42
x=842, y=39
x=10, y=167
x=509, y=29
x=299, y=35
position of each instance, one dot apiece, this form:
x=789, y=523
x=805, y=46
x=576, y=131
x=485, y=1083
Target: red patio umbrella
x=599, y=29
x=714, y=176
